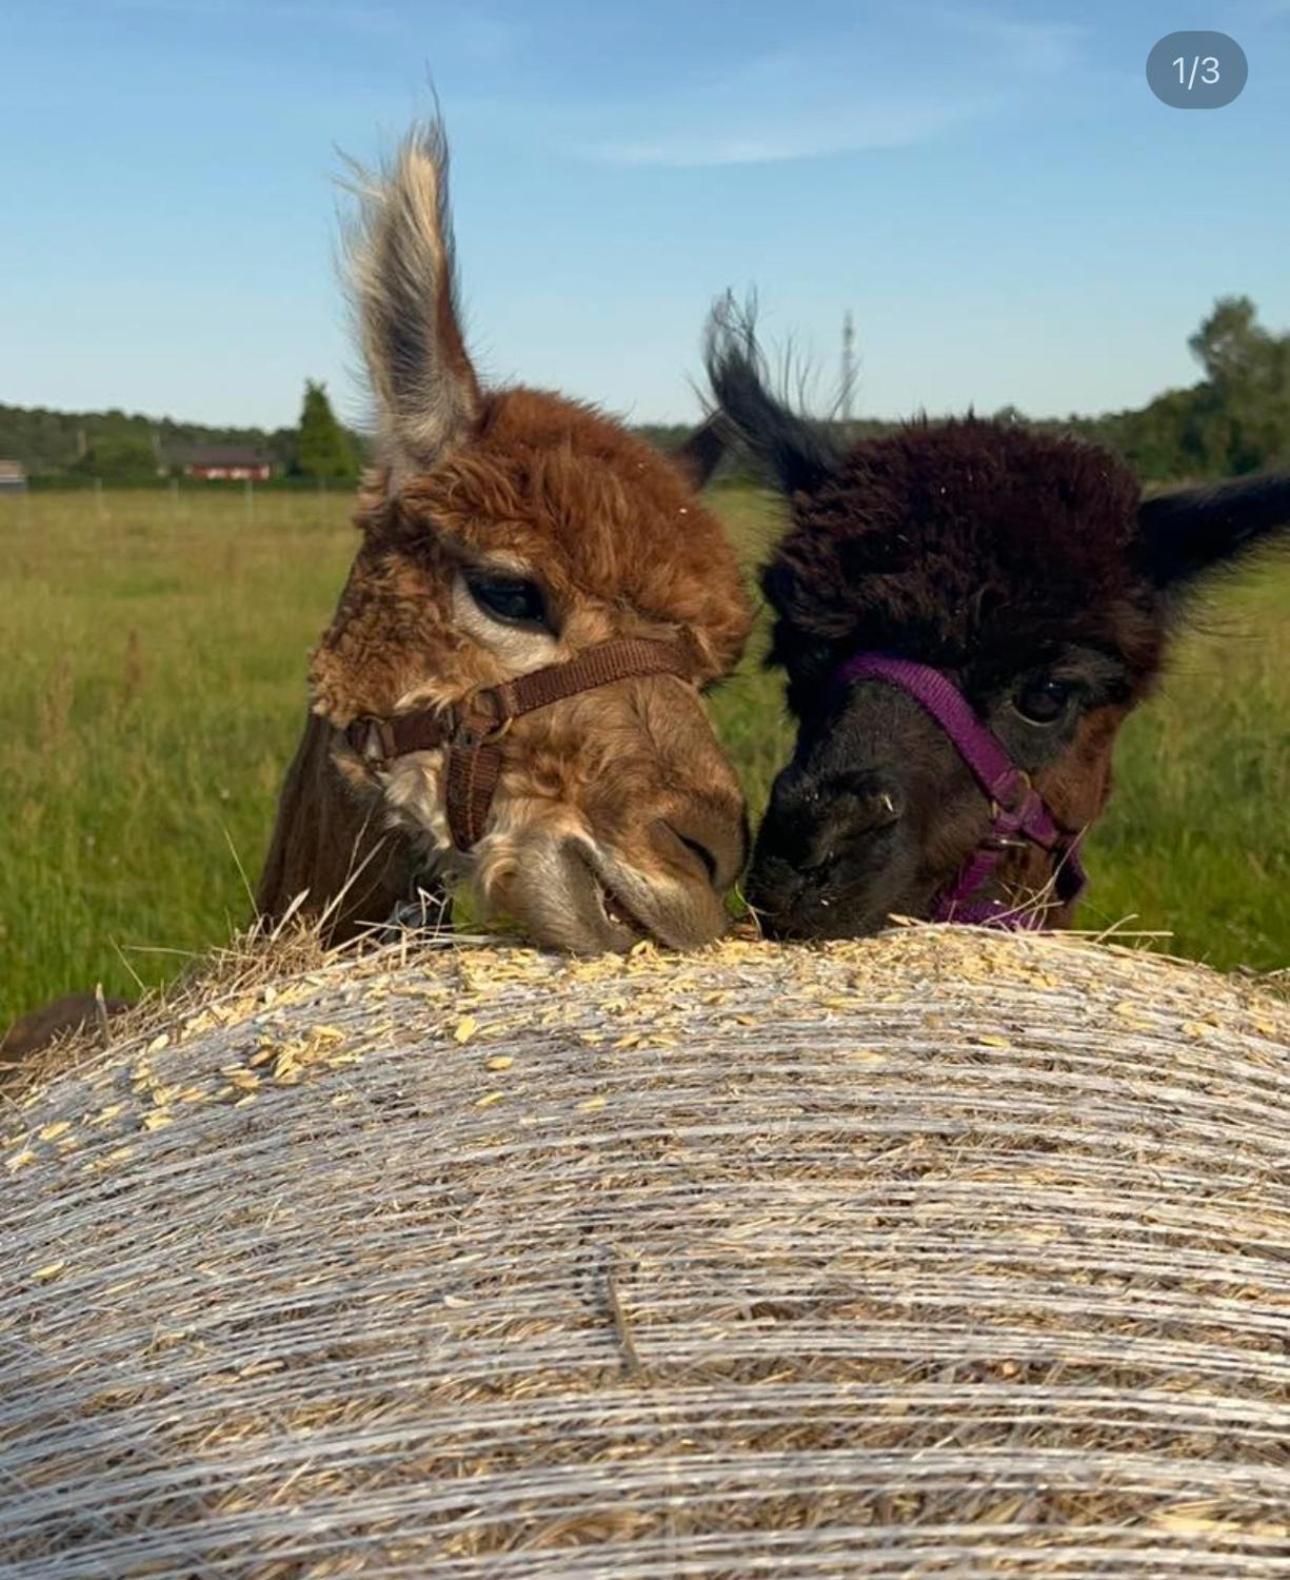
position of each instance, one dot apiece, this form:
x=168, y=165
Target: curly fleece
x=971, y=545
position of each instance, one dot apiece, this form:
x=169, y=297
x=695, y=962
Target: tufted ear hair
x=698, y=457
x=1187, y=533
x=403, y=281
x=797, y=452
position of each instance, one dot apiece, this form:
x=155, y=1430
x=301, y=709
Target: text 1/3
x=1197, y=70
x=1208, y=67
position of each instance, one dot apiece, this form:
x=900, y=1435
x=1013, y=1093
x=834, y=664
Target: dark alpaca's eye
x=1043, y=701
x=509, y=598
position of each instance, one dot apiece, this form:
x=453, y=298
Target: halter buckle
x=1018, y=782
x=372, y=739
x=476, y=726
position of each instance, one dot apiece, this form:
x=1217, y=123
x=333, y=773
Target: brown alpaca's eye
x=509, y=598
x=1043, y=701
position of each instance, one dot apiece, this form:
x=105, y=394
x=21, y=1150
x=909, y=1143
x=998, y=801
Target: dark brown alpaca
x=1024, y=576
x=507, y=534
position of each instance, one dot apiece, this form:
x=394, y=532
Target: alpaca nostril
x=852, y=818
x=878, y=810
x=713, y=841
x=708, y=860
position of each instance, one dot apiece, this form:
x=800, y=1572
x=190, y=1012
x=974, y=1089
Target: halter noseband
x=472, y=728
x=1017, y=810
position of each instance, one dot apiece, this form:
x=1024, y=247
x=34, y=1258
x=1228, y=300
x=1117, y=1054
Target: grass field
x=152, y=658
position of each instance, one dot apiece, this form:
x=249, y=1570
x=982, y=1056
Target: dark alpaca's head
x=1026, y=568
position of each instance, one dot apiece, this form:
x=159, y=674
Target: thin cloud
x=1045, y=48
x=957, y=65
x=884, y=124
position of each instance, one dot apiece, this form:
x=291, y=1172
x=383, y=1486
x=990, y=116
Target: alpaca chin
x=521, y=870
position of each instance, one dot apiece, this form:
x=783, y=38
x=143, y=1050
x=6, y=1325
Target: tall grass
x=152, y=659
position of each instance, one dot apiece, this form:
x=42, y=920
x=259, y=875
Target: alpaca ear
x=698, y=457
x=797, y=453
x=403, y=279
x=1185, y=534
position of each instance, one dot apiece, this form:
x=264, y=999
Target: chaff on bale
x=940, y=1253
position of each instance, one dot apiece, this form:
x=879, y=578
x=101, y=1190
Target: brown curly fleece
x=623, y=542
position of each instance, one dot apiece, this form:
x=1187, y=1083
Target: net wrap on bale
x=940, y=1253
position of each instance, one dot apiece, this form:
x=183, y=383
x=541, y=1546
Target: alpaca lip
x=616, y=910
x=617, y=913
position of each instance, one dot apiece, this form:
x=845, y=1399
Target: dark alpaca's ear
x=799, y=456
x=1184, y=534
x=700, y=455
x=405, y=293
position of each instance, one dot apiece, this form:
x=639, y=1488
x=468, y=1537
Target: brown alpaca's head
x=505, y=532
x=1027, y=569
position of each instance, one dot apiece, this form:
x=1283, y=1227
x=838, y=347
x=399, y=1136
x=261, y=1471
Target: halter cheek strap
x=1018, y=811
x=472, y=729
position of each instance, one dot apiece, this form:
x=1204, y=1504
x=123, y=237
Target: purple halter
x=1018, y=811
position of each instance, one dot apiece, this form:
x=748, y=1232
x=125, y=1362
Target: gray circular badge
x=1197, y=71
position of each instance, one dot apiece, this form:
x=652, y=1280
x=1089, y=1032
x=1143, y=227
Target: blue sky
x=991, y=189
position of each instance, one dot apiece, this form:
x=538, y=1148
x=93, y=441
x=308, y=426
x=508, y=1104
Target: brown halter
x=472, y=728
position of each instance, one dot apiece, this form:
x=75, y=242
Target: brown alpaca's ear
x=404, y=285
x=700, y=455
x=797, y=452
x=1185, y=534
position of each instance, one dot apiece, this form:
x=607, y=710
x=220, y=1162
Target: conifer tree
x=323, y=450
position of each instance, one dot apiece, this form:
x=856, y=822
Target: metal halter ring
x=474, y=726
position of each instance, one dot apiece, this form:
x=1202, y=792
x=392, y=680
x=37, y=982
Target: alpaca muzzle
x=471, y=730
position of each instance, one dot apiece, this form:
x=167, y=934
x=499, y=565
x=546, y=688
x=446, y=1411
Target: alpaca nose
x=852, y=819
x=714, y=840
x=815, y=821
x=865, y=811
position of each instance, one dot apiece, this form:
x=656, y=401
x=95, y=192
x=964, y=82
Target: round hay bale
x=941, y=1253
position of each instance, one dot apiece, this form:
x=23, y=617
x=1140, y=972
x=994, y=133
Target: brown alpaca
x=45, y=1025
x=507, y=534
x=950, y=585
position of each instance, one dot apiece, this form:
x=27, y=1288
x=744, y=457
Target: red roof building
x=226, y=463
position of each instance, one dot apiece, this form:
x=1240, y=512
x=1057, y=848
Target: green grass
x=152, y=667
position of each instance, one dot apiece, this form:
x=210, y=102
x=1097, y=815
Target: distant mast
x=847, y=375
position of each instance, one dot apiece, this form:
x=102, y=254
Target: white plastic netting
x=938, y=1254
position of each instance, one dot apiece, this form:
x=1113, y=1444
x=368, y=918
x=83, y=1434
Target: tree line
x=120, y=447
x=1234, y=419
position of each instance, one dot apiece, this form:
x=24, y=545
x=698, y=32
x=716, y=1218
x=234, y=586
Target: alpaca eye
x=509, y=598
x=1043, y=701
